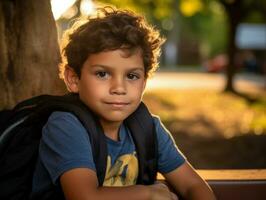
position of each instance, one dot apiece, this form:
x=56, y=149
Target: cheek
x=88, y=88
x=94, y=91
x=138, y=90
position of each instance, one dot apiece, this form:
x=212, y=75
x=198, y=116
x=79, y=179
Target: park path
x=202, y=80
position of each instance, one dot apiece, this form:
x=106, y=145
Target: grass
x=218, y=124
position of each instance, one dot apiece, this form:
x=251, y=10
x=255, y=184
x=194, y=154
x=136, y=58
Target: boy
x=107, y=61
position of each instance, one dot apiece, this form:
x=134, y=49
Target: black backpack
x=21, y=130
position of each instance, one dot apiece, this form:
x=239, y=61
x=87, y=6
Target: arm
x=186, y=182
x=82, y=184
x=177, y=171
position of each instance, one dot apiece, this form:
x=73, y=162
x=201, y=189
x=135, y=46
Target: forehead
x=127, y=52
x=117, y=58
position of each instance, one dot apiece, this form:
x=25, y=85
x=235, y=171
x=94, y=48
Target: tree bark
x=29, y=51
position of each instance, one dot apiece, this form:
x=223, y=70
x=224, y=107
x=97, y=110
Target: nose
x=118, y=86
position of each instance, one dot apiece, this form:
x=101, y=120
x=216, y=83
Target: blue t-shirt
x=65, y=145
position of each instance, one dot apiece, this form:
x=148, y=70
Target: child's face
x=112, y=84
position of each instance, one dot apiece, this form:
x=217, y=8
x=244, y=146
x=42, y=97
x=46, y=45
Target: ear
x=71, y=79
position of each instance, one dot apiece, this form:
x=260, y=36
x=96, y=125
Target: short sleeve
x=170, y=157
x=64, y=145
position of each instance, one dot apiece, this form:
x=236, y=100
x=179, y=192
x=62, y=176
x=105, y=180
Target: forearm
x=186, y=182
x=82, y=184
x=157, y=191
x=200, y=192
x=135, y=192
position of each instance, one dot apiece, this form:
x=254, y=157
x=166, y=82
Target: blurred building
x=251, y=42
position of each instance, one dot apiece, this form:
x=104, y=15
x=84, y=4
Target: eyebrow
x=109, y=67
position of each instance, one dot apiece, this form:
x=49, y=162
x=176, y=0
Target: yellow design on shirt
x=124, y=172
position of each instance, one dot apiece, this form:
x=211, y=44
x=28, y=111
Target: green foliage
x=152, y=9
x=214, y=29
x=209, y=28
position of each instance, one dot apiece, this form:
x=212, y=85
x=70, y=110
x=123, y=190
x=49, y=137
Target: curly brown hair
x=110, y=29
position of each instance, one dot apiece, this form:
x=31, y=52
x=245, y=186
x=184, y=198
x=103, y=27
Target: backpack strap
x=96, y=135
x=143, y=133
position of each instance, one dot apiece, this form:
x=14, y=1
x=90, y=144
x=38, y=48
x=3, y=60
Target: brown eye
x=102, y=74
x=132, y=76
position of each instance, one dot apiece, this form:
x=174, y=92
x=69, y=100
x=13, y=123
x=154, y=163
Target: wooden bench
x=235, y=184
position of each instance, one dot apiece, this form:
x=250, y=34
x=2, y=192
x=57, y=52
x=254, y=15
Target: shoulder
x=163, y=134
x=159, y=126
x=60, y=115
x=63, y=129
x=63, y=119
x=156, y=119
x=65, y=124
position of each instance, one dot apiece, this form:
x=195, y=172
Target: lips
x=117, y=104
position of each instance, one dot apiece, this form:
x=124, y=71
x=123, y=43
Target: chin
x=115, y=118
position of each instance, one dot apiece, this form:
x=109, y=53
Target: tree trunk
x=231, y=49
x=29, y=51
x=234, y=13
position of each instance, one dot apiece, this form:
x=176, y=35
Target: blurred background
x=210, y=89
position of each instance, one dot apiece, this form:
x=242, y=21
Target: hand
x=160, y=191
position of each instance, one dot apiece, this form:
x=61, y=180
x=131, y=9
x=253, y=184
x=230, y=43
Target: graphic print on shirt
x=124, y=172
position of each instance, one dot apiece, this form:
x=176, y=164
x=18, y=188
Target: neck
x=111, y=129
